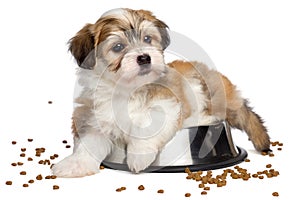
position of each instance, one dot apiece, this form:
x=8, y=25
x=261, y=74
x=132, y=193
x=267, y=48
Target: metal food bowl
x=199, y=148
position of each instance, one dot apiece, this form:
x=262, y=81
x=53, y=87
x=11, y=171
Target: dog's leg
x=89, y=151
x=239, y=115
x=145, y=141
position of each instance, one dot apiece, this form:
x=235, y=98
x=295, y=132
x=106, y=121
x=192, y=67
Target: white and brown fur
x=124, y=102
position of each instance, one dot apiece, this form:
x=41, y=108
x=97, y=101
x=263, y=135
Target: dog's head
x=128, y=43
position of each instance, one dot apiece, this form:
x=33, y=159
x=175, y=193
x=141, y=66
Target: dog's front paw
x=137, y=161
x=75, y=166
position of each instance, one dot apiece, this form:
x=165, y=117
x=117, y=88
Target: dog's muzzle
x=144, y=61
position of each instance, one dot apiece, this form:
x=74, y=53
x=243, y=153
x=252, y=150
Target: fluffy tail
x=250, y=122
x=239, y=115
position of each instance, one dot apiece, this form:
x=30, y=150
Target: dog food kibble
x=279, y=149
x=68, y=146
x=8, y=182
x=13, y=164
x=22, y=155
x=141, y=187
x=203, y=193
x=268, y=166
x=22, y=173
x=29, y=139
x=25, y=185
x=29, y=159
x=13, y=142
x=19, y=163
x=102, y=167
x=64, y=141
x=160, y=191
x=50, y=102
x=206, y=188
x=275, y=194
x=187, y=194
x=39, y=177
x=120, y=189
x=31, y=181
x=55, y=187
x=247, y=160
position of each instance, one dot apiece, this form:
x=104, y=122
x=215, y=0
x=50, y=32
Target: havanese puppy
x=130, y=97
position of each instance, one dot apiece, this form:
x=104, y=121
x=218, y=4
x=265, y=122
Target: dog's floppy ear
x=165, y=37
x=81, y=47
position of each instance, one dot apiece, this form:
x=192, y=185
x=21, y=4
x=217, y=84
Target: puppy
x=130, y=97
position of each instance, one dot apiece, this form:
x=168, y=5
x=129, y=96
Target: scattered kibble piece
x=55, y=187
x=14, y=164
x=268, y=166
x=31, y=181
x=29, y=159
x=247, y=160
x=203, y=193
x=64, y=141
x=120, y=189
x=20, y=163
x=141, y=187
x=160, y=191
x=187, y=194
x=22, y=155
x=102, y=167
x=68, y=146
x=50, y=102
x=275, y=194
x=13, y=142
x=29, y=139
x=8, y=182
x=22, y=173
x=39, y=177
x=25, y=185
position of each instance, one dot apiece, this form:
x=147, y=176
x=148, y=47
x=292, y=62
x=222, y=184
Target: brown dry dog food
x=31, y=181
x=29, y=139
x=8, y=182
x=141, y=187
x=275, y=194
x=39, y=177
x=160, y=191
x=25, y=185
x=203, y=193
x=120, y=189
x=187, y=194
x=55, y=187
x=13, y=142
x=22, y=173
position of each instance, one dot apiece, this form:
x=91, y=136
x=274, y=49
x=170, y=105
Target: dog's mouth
x=145, y=70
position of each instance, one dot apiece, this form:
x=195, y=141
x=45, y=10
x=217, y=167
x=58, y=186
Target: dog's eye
x=148, y=39
x=118, y=47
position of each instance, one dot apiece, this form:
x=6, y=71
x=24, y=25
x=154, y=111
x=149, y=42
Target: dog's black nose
x=143, y=60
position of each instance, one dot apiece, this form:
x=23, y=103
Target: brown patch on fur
x=80, y=117
x=224, y=101
x=82, y=44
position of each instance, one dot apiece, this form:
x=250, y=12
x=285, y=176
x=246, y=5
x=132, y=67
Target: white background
x=255, y=43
